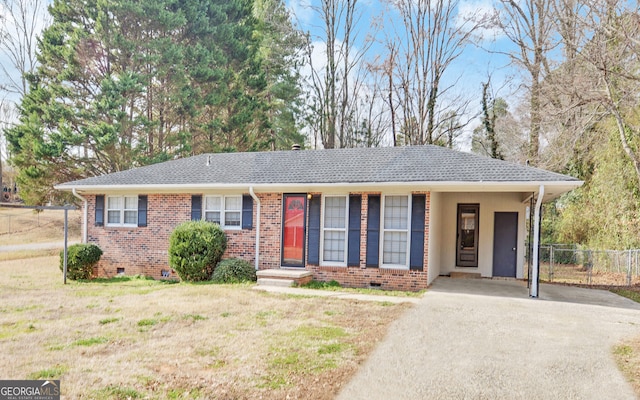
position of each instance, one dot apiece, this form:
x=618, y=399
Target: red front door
x=293, y=230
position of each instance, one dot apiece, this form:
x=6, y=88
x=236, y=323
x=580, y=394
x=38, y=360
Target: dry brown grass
x=148, y=339
x=23, y=226
x=628, y=359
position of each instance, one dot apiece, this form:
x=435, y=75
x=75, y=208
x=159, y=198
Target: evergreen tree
x=126, y=83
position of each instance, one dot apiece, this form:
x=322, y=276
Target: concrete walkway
x=485, y=339
x=35, y=246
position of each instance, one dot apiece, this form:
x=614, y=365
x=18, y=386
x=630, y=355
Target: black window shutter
x=416, y=259
x=247, y=212
x=100, y=210
x=313, y=255
x=196, y=207
x=373, y=232
x=353, y=244
x=142, y=210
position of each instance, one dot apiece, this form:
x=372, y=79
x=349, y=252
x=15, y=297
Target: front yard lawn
x=139, y=338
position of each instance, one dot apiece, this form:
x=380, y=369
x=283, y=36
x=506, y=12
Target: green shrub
x=81, y=258
x=333, y=284
x=234, y=270
x=195, y=248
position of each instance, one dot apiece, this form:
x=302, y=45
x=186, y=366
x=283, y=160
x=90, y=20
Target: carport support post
x=535, y=267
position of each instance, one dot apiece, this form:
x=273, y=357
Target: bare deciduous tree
x=598, y=78
x=528, y=25
x=432, y=37
x=614, y=51
x=22, y=21
x=336, y=88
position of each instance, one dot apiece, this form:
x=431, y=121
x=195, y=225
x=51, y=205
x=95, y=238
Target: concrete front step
x=465, y=275
x=284, y=277
x=275, y=282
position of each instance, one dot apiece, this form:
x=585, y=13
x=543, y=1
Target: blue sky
x=473, y=66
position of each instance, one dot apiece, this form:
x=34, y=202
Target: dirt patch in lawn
x=139, y=338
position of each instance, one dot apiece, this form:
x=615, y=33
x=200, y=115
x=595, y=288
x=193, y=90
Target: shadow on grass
x=335, y=286
x=142, y=278
x=121, y=279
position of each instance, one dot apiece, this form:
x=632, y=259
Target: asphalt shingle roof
x=361, y=165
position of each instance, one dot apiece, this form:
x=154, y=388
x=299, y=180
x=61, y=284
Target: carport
x=482, y=229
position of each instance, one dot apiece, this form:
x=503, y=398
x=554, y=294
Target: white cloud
x=480, y=12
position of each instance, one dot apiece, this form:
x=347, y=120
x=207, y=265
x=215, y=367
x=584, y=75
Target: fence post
x=636, y=260
x=589, y=265
x=629, y=268
x=551, y=263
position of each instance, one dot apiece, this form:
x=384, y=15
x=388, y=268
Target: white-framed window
x=396, y=211
x=122, y=210
x=334, y=230
x=225, y=211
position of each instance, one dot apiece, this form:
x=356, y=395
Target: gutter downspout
x=257, y=200
x=535, y=266
x=85, y=217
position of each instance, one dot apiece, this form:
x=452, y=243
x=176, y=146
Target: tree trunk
x=622, y=128
x=534, y=128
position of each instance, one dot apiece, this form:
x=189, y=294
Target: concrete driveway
x=485, y=339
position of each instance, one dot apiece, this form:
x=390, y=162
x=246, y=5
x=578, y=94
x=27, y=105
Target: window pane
x=232, y=218
x=113, y=217
x=131, y=217
x=131, y=203
x=335, y=211
x=212, y=216
x=213, y=203
x=333, y=249
x=396, y=209
x=233, y=203
x=114, y=203
x=395, y=248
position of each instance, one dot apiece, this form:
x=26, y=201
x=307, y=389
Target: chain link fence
x=575, y=265
x=17, y=221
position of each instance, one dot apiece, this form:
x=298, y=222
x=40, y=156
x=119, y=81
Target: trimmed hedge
x=234, y=270
x=195, y=248
x=81, y=258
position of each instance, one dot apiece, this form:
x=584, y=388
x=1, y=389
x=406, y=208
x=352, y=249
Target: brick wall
x=361, y=276
x=143, y=250
x=271, y=221
x=139, y=250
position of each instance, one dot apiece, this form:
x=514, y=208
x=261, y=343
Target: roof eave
x=555, y=188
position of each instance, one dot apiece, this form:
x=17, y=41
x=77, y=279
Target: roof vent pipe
x=295, y=146
x=208, y=160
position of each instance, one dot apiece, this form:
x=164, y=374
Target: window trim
x=122, y=210
x=383, y=231
x=345, y=230
x=222, y=210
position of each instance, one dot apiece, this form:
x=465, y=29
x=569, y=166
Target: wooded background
x=93, y=87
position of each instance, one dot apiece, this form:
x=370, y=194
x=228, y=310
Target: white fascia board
x=553, y=187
